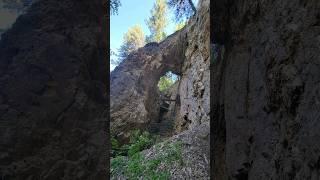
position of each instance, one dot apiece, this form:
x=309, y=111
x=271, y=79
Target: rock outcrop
x=194, y=89
x=265, y=89
x=53, y=77
x=134, y=95
x=135, y=100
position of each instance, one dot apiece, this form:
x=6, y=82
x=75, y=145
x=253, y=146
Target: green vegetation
x=136, y=165
x=157, y=22
x=114, y=6
x=166, y=82
x=133, y=39
x=184, y=9
x=138, y=141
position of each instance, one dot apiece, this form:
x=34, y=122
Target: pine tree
x=133, y=39
x=114, y=6
x=183, y=8
x=157, y=22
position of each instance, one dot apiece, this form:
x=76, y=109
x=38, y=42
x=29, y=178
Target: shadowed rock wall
x=52, y=97
x=265, y=89
x=194, y=88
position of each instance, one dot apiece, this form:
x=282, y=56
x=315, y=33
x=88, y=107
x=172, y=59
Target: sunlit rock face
x=266, y=89
x=134, y=95
x=52, y=96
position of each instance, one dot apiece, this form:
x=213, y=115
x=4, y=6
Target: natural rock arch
x=134, y=102
x=134, y=95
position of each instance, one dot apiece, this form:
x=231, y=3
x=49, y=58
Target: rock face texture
x=135, y=100
x=134, y=95
x=194, y=89
x=52, y=97
x=265, y=89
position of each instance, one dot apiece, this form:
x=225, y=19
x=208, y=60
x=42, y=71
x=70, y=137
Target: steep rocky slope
x=52, y=97
x=195, y=153
x=265, y=89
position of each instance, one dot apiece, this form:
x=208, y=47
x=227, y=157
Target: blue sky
x=132, y=12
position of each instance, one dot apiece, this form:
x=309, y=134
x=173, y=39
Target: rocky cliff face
x=265, y=89
x=194, y=89
x=52, y=96
x=135, y=100
x=134, y=96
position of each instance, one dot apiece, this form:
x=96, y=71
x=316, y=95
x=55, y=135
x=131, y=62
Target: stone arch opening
x=168, y=85
x=167, y=81
x=134, y=82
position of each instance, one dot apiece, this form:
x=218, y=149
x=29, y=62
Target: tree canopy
x=114, y=6
x=133, y=39
x=157, y=22
x=166, y=81
x=182, y=8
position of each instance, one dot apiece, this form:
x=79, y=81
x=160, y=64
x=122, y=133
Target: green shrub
x=140, y=142
x=114, y=143
x=167, y=81
x=116, y=149
x=135, y=134
x=137, y=166
x=117, y=165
